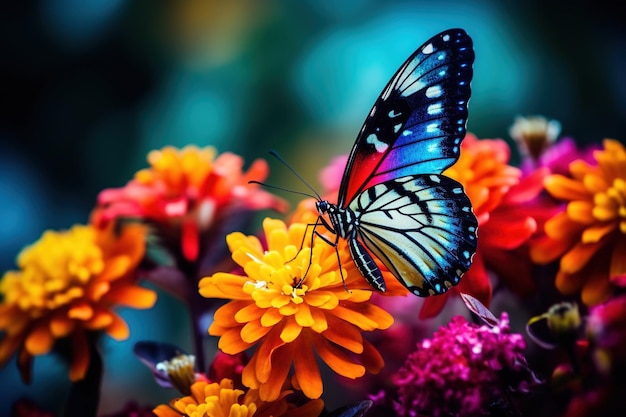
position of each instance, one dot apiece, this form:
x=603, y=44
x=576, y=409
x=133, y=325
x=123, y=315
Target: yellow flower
x=67, y=284
x=222, y=400
x=589, y=236
x=288, y=315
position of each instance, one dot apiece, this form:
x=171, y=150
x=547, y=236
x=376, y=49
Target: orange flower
x=589, y=236
x=190, y=191
x=222, y=400
x=288, y=315
x=67, y=285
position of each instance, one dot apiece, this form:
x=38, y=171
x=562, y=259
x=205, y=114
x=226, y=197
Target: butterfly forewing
x=421, y=227
x=417, y=124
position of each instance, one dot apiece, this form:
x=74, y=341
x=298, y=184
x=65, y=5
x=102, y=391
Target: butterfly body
x=393, y=201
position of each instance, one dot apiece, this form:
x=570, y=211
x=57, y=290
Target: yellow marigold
x=287, y=319
x=67, y=284
x=223, y=400
x=589, y=236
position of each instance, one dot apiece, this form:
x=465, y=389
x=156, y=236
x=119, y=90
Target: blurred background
x=87, y=88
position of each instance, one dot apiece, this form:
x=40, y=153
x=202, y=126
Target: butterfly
x=393, y=201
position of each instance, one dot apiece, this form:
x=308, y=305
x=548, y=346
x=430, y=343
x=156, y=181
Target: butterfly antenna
x=285, y=163
x=274, y=187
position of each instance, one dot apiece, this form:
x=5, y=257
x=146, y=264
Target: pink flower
x=462, y=370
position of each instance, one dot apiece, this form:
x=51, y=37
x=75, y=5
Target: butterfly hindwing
x=421, y=227
x=418, y=122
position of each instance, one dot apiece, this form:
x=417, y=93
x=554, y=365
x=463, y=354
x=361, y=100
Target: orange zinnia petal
x=566, y=189
x=320, y=320
x=596, y=288
x=81, y=311
x=266, y=350
x=226, y=314
x=304, y=316
x=271, y=316
x=562, y=227
x=345, y=335
x=306, y=370
x=356, y=318
x=574, y=260
x=248, y=313
x=118, y=329
x=61, y=326
x=252, y=331
x=291, y=330
x=132, y=296
x=337, y=360
x=230, y=342
x=372, y=359
x=581, y=212
x=116, y=267
x=595, y=233
x=223, y=285
x=281, y=363
x=40, y=340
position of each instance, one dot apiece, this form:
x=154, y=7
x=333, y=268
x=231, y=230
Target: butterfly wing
x=418, y=122
x=421, y=227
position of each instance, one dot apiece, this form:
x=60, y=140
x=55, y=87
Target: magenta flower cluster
x=461, y=370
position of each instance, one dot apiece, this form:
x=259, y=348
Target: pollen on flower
x=292, y=303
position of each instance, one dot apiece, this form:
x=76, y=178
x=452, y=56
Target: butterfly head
x=323, y=207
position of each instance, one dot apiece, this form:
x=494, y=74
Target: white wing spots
x=435, y=178
x=441, y=56
x=410, y=86
x=446, y=38
x=407, y=132
x=428, y=49
x=434, y=109
x=442, y=73
x=397, y=127
x=432, y=128
x=380, y=146
x=434, y=91
x=466, y=254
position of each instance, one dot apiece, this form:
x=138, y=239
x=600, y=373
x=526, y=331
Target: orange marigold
x=68, y=283
x=589, y=235
x=223, y=400
x=288, y=319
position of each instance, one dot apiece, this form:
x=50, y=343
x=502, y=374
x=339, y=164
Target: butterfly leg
x=321, y=222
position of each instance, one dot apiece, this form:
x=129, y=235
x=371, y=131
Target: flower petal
x=337, y=360
x=307, y=371
x=577, y=257
x=40, y=340
x=253, y=331
x=565, y=188
x=132, y=296
x=291, y=330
